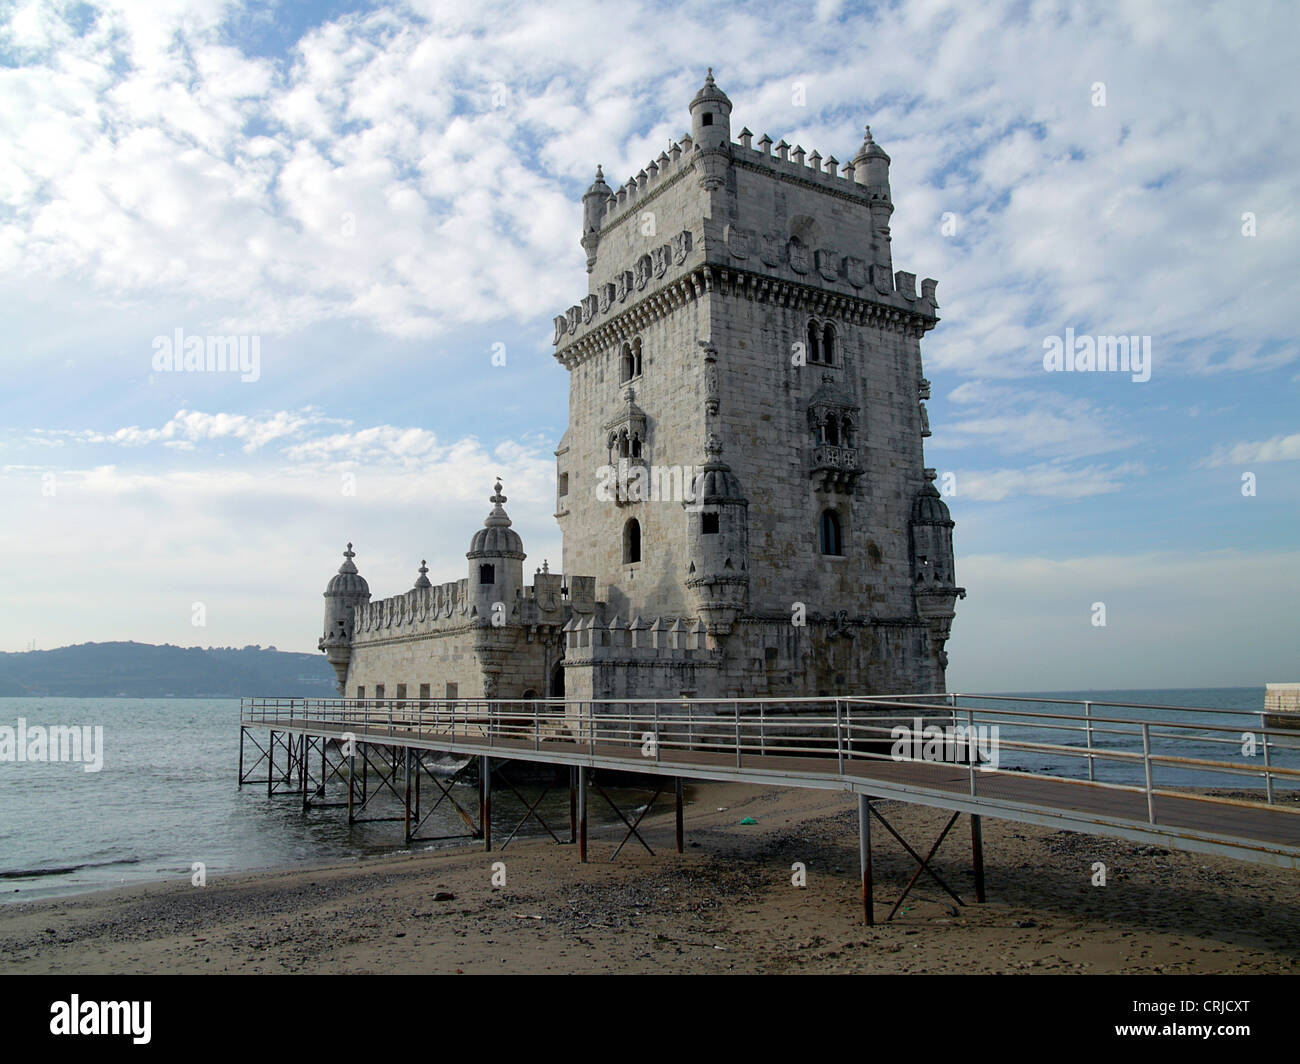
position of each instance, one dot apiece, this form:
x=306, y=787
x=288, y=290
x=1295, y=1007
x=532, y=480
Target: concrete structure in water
x=742, y=491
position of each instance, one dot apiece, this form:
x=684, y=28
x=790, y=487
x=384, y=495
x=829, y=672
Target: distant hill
x=142, y=670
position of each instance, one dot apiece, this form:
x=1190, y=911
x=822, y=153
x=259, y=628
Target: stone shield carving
x=800, y=260
x=681, y=246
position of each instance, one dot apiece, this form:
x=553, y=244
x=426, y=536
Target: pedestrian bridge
x=1138, y=772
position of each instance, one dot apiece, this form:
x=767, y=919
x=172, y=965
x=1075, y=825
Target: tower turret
x=711, y=133
x=346, y=590
x=871, y=170
x=718, y=536
x=496, y=563
x=932, y=568
x=594, y=201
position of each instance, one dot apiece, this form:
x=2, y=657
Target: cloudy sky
x=384, y=194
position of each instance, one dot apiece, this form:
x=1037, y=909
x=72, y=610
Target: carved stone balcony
x=836, y=467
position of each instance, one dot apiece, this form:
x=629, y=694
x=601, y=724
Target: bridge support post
x=681, y=831
x=573, y=804
x=582, y=814
x=977, y=854
x=270, y=766
x=304, y=775
x=864, y=859
x=409, y=774
x=485, y=799
x=352, y=784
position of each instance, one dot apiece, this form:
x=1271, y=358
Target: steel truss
x=866, y=810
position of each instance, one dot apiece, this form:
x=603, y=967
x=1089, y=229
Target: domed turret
x=929, y=508
x=933, y=570
x=496, y=556
x=871, y=171
x=871, y=166
x=711, y=133
x=594, y=201
x=718, y=533
x=346, y=590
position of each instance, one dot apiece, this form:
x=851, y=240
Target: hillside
x=142, y=670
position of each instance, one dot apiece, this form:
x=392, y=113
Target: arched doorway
x=557, y=680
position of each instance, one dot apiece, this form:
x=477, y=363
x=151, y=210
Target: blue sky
x=380, y=193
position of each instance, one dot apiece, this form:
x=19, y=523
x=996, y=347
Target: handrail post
x=839, y=741
x=1268, y=768
x=1087, y=728
x=762, y=728
x=970, y=746
x=1146, y=761
x=848, y=726
x=736, y=707
x=657, y=757
x=537, y=727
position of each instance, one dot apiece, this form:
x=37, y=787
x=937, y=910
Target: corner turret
x=346, y=590
x=933, y=570
x=711, y=133
x=871, y=170
x=594, y=202
x=717, y=574
x=496, y=562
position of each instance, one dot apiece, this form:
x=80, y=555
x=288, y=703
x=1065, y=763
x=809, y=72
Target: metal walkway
x=963, y=753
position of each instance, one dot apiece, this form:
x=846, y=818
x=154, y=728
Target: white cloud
x=1022, y=421
x=1044, y=481
x=1277, y=449
x=148, y=153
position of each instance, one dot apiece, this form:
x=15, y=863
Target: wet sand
x=727, y=905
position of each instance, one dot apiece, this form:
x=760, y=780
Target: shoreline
x=727, y=904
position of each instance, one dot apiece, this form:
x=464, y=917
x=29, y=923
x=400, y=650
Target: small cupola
x=422, y=581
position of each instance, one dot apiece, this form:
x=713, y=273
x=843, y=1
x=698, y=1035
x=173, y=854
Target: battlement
x=780, y=158
x=450, y=606
x=592, y=640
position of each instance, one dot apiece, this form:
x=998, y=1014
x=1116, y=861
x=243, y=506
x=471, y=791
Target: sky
x=382, y=197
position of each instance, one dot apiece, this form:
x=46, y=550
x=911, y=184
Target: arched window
x=831, y=432
x=636, y=446
x=831, y=542
x=622, y=444
x=814, y=344
x=625, y=364
x=487, y=574
x=828, y=345
x=846, y=431
x=632, y=541
x=636, y=357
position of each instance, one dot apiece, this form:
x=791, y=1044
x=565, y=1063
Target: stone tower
x=742, y=302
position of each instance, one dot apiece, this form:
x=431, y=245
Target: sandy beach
x=727, y=905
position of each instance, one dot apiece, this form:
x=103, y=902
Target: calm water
x=1202, y=742
x=167, y=797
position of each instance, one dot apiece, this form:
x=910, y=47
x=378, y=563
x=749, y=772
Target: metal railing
x=976, y=733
